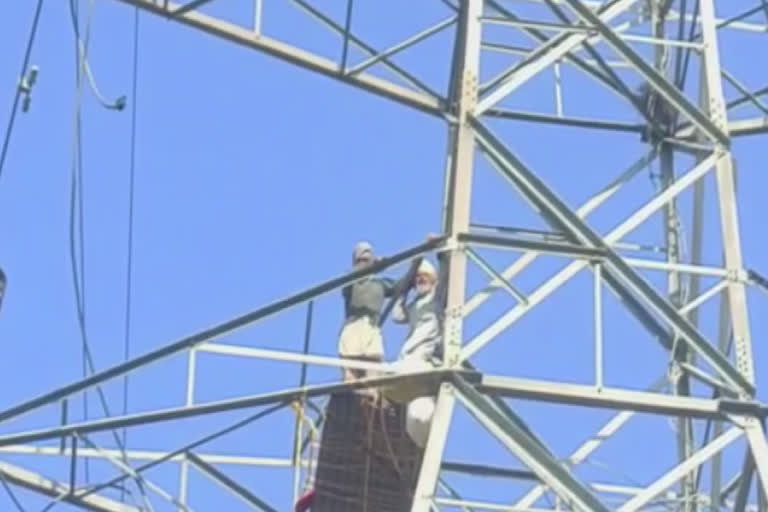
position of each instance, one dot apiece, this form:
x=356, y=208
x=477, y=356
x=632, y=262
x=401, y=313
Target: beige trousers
x=361, y=340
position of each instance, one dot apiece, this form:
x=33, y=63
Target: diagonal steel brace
x=528, y=449
x=671, y=93
x=563, y=218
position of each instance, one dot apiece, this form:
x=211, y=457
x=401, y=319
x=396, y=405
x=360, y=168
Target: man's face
x=424, y=283
x=364, y=259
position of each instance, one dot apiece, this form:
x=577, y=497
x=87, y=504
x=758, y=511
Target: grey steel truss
x=599, y=39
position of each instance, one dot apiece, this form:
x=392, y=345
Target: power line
x=132, y=173
x=76, y=196
x=17, y=97
x=76, y=192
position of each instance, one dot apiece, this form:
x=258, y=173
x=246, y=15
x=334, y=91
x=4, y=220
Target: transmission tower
x=661, y=60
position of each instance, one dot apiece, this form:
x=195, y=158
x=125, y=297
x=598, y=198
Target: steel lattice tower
x=607, y=42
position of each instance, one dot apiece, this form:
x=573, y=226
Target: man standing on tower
x=360, y=336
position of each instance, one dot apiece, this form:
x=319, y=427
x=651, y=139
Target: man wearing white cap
x=421, y=348
x=422, y=314
x=360, y=336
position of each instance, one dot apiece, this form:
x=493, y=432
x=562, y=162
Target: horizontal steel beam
x=558, y=248
x=488, y=471
x=292, y=357
x=611, y=398
x=288, y=53
x=150, y=455
x=756, y=126
x=218, y=330
x=417, y=379
x=575, y=122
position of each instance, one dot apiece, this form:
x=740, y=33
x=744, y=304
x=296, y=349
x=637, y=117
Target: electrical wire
x=691, y=35
x=76, y=198
x=119, y=103
x=132, y=174
x=17, y=97
x=77, y=203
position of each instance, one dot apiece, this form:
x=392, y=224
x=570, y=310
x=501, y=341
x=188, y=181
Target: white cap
x=360, y=249
x=425, y=267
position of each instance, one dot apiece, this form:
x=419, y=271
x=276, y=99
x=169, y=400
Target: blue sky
x=254, y=179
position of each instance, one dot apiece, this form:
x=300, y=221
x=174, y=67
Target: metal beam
x=755, y=126
x=551, y=285
x=528, y=450
x=415, y=39
x=216, y=331
x=488, y=471
x=433, y=451
x=229, y=484
x=726, y=190
x=698, y=458
x=186, y=448
x=150, y=455
x=354, y=40
x=661, y=84
x=564, y=219
x=293, y=357
x=291, y=54
x=488, y=269
x=759, y=447
x=585, y=209
x=542, y=57
x=744, y=483
x=458, y=179
x=40, y=484
x=419, y=379
x=585, y=65
x=561, y=249
x=457, y=199
x=536, y=117
x=608, y=398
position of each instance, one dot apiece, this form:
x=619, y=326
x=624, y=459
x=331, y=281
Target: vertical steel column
x=257, y=13
x=726, y=190
x=456, y=220
x=598, y=289
x=184, y=467
x=674, y=285
x=759, y=446
x=458, y=189
x=433, y=452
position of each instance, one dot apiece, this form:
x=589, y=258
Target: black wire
x=15, y=108
x=132, y=172
x=680, y=35
x=691, y=35
x=76, y=193
x=77, y=278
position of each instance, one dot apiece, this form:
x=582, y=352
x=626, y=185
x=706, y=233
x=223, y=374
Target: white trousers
x=419, y=411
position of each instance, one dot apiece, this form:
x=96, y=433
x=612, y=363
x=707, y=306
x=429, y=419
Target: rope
x=15, y=108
